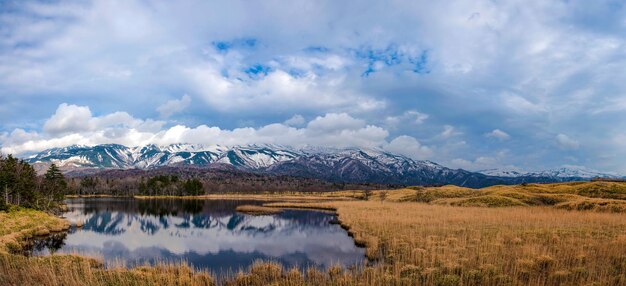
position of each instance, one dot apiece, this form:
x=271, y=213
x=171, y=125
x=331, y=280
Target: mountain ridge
x=368, y=165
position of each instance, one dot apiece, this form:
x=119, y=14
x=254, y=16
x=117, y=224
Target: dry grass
x=257, y=210
x=418, y=243
x=20, y=224
x=597, y=196
x=76, y=270
x=259, y=197
x=88, y=196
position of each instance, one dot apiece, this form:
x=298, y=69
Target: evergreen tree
x=192, y=187
x=25, y=185
x=8, y=178
x=88, y=184
x=20, y=186
x=3, y=184
x=54, y=184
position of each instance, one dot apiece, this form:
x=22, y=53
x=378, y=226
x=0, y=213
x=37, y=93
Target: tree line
x=170, y=185
x=20, y=185
x=173, y=181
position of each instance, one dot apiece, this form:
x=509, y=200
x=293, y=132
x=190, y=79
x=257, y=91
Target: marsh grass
x=20, y=224
x=417, y=243
x=77, y=270
x=596, y=196
x=257, y=210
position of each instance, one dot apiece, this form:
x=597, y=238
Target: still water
x=207, y=234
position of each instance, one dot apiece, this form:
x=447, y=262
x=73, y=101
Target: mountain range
x=331, y=164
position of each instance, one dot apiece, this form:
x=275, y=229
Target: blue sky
x=468, y=84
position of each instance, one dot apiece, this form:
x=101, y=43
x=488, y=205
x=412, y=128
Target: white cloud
x=277, y=90
x=296, y=120
x=410, y=117
x=520, y=104
x=70, y=118
x=18, y=136
x=67, y=119
x=480, y=163
x=497, y=160
x=532, y=67
x=333, y=122
x=409, y=146
x=174, y=106
x=499, y=134
x=565, y=142
x=332, y=129
x=448, y=132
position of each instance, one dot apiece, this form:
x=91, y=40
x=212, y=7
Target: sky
x=526, y=85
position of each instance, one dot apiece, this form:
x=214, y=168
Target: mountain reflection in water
x=205, y=233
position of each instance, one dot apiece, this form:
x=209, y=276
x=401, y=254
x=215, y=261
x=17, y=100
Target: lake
x=208, y=234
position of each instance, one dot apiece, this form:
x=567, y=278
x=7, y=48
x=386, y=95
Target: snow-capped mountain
x=566, y=173
x=352, y=165
x=344, y=165
x=572, y=171
x=151, y=156
x=503, y=172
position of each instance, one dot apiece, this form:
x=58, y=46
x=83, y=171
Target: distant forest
x=20, y=185
x=176, y=181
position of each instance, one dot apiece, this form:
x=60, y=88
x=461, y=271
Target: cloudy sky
x=468, y=84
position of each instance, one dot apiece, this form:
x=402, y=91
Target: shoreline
x=258, y=197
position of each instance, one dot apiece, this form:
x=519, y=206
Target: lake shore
x=257, y=197
x=20, y=224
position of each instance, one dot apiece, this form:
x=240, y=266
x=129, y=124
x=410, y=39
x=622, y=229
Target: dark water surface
x=207, y=234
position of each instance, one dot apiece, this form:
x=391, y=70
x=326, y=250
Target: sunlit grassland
x=553, y=234
x=20, y=224
x=435, y=244
x=598, y=196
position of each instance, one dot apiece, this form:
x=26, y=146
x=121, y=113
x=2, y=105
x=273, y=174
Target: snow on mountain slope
x=572, y=171
x=558, y=173
x=332, y=164
x=503, y=172
x=151, y=156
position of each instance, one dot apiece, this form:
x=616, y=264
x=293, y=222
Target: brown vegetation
x=77, y=270
x=257, y=210
x=598, y=196
x=417, y=243
x=19, y=224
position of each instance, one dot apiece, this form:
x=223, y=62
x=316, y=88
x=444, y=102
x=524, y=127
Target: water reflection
x=207, y=234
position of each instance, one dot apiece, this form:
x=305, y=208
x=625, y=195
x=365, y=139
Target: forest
x=21, y=186
x=183, y=180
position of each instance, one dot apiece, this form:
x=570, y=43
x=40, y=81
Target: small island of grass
x=257, y=210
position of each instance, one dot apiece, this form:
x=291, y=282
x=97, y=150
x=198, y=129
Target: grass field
x=598, y=196
x=450, y=245
x=502, y=235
